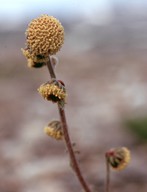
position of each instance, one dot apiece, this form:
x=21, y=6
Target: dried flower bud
x=118, y=158
x=54, y=129
x=53, y=91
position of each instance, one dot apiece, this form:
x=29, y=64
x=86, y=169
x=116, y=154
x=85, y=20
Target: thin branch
x=107, y=176
x=70, y=150
x=67, y=138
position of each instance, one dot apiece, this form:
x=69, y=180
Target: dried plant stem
x=67, y=138
x=107, y=176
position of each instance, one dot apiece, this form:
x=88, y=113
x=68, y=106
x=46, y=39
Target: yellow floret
x=52, y=92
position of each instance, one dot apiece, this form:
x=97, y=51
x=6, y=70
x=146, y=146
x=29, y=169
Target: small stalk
x=107, y=176
x=67, y=138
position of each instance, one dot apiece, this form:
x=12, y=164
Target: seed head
x=118, y=158
x=54, y=129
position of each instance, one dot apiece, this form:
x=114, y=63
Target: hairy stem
x=73, y=160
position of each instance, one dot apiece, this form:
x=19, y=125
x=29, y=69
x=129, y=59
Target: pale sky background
x=14, y=12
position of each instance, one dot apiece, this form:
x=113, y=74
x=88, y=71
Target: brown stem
x=107, y=175
x=67, y=138
x=70, y=150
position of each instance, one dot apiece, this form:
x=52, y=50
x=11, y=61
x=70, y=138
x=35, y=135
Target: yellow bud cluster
x=52, y=92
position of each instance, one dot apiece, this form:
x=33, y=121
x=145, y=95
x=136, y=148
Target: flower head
x=45, y=36
x=54, y=129
x=118, y=158
x=54, y=91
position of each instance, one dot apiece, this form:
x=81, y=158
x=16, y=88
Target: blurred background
x=103, y=63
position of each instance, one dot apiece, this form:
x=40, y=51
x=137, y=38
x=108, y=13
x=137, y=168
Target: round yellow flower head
x=118, y=158
x=54, y=129
x=54, y=91
x=45, y=35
